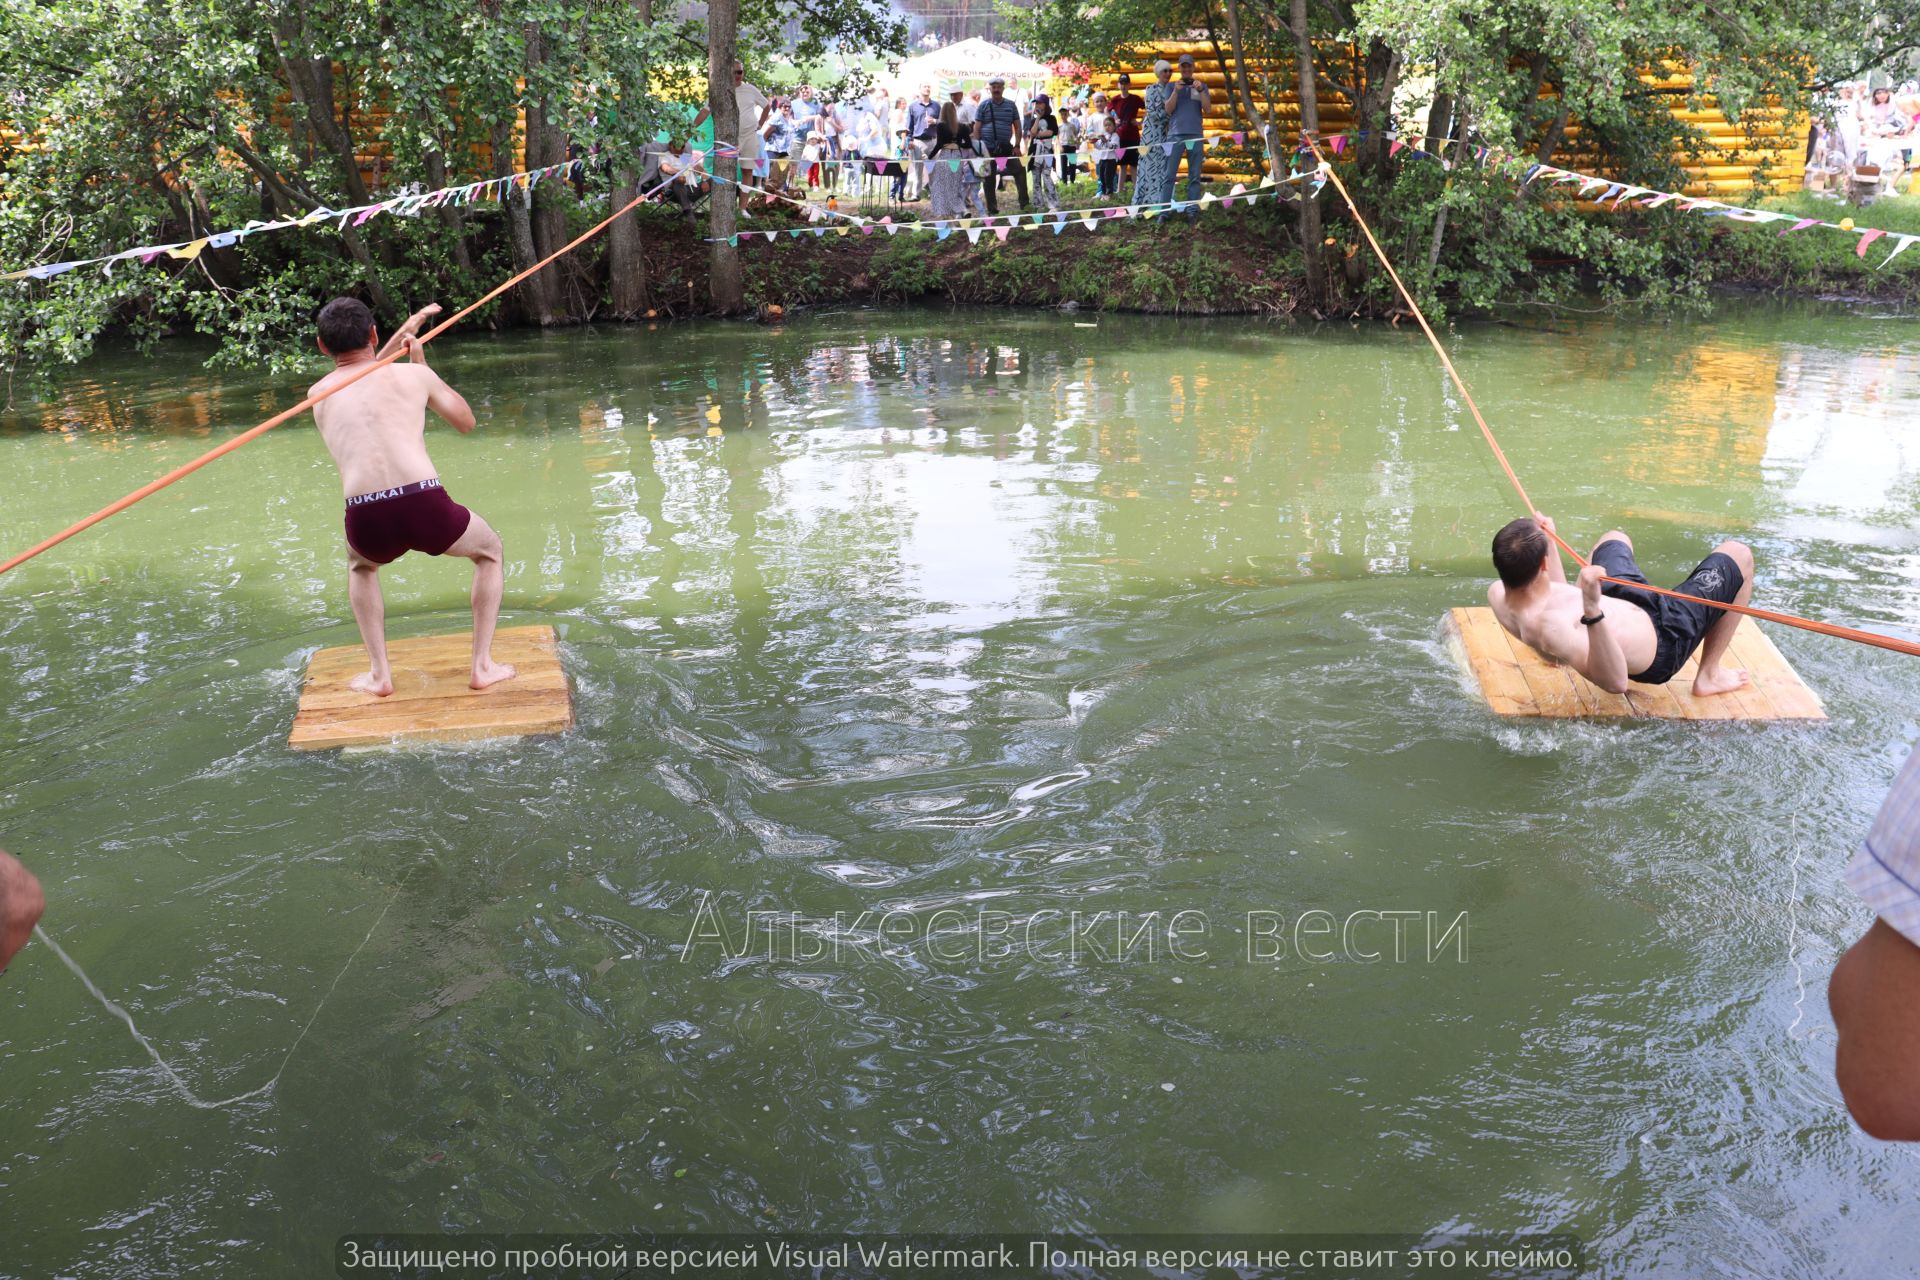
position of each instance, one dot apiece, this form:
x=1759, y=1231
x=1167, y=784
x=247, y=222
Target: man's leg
x=1019, y=168
x=990, y=186
x=481, y=545
x=1712, y=677
x=1196, y=160
x=370, y=611
x=1611, y=535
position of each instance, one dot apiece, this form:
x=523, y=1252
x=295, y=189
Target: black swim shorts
x=1680, y=625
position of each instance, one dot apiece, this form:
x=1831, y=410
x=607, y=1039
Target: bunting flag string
x=407, y=204
x=1604, y=192
x=1000, y=224
x=1612, y=194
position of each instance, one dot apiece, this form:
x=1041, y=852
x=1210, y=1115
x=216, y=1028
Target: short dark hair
x=345, y=325
x=1518, y=550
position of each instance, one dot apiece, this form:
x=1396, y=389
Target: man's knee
x=486, y=549
x=1614, y=535
x=1740, y=553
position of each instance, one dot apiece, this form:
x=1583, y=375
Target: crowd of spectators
x=874, y=145
x=1877, y=128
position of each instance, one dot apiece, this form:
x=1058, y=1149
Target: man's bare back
x=375, y=428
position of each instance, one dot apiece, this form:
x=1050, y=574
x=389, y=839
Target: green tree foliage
x=129, y=122
x=1517, y=76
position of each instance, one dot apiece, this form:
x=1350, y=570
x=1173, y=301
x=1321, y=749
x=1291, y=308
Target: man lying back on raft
x=1612, y=634
x=376, y=431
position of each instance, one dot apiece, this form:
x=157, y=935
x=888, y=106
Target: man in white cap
x=996, y=127
x=753, y=108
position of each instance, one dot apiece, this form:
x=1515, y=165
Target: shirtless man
x=1612, y=634
x=376, y=431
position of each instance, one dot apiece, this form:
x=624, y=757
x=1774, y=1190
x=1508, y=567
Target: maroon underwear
x=384, y=525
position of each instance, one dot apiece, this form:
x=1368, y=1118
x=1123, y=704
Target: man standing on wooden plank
x=1612, y=634
x=376, y=431
x=1875, y=990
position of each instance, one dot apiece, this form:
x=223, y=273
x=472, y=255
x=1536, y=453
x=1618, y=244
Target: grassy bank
x=1819, y=262
x=1240, y=261
x=1231, y=261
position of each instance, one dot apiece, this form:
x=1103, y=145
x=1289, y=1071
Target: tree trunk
x=1374, y=109
x=450, y=216
x=626, y=257
x=534, y=294
x=310, y=82
x=1308, y=93
x=726, y=290
x=1439, y=121
x=1440, y=218
x=628, y=285
x=1555, y=132
x=546, y=145
x=1239, y=86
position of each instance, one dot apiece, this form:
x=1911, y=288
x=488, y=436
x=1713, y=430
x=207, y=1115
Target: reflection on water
x=911, y=611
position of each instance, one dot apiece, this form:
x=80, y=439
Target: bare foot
x=378, y=686
x=490, y=673
x=1719, y=680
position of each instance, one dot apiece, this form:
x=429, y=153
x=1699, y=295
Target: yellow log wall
x=1732, y=160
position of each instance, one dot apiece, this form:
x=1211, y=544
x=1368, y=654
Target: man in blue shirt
x=996, y=127
x=923, y=120
x=1186, y=121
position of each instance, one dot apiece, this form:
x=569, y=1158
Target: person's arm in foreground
x=21, y=904
x=1875, y=990
x=1875, y=999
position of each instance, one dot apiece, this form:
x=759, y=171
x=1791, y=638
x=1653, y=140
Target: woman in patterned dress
x=1154, y=182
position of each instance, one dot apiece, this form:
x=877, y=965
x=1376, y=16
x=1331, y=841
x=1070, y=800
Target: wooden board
x=1516, y=681
x=430, y=701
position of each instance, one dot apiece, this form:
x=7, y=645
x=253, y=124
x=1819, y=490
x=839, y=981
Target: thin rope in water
x=1855, y=634
x=180, y=1085
x=253, y=433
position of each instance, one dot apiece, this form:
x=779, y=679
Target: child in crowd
x=1103, y=145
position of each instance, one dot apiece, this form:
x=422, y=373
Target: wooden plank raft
x=430, y=701
x=1516, y=681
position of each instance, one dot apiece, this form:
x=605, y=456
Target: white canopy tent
x=967, y=62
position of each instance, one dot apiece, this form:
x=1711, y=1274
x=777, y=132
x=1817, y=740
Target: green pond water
x=975, y=613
